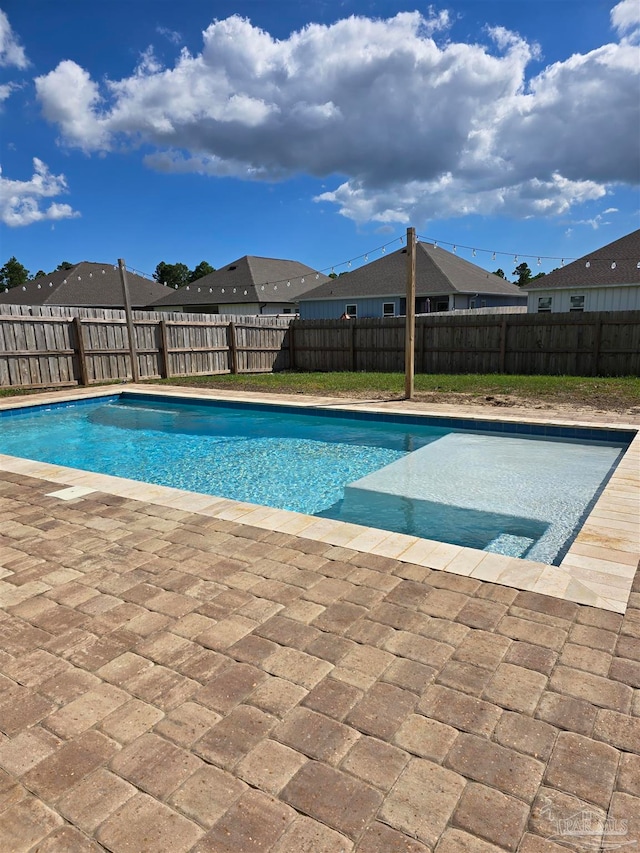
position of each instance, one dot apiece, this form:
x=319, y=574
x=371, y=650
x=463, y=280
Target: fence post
x=352, y=346
x=596, y=347
x=233, y=347
x=410, y=325
x=292, y=347
x=82, y=362
x=135, y=370
x=503, y=344
x=164, y=354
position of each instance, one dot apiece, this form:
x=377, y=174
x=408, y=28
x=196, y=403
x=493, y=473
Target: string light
x=474, y=250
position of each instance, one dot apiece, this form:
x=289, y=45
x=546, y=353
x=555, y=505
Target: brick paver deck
x=175, y=682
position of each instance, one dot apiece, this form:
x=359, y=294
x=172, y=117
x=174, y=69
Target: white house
x=605, y=280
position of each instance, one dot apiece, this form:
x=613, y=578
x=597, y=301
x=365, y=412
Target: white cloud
x=20, y=200
x=6, y=89
x=415, y=127
x=170, y=35
x=625, y=17
x=11, y=51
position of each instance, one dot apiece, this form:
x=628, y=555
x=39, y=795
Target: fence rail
x=47, y=346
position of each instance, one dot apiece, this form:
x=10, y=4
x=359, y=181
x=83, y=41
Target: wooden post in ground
x=164, y=354
x=135, y=371
x=82, y=359
x=233, y=346
x=410, y=326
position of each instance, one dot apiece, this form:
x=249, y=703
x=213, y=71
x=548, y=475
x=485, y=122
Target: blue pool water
x=510, y=492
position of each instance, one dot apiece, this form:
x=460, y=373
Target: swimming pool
x=517, y=489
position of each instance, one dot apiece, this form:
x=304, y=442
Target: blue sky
x=317, y=131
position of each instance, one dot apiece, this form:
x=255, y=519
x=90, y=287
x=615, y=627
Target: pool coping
x=597, y=570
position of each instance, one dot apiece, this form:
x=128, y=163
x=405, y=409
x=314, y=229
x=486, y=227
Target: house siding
x=609, y=298
x=373, y=308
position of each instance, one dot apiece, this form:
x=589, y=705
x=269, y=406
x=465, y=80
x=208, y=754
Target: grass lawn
x=619, y=394
x=609, y=394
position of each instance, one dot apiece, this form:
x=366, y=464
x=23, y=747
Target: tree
x=39, y=274
x=13, y=274
x=173, y=275
x=65, y=265
x=203, y=268
x=500, y=273
x=540, y=275
x=333, y=275
x=524, y=274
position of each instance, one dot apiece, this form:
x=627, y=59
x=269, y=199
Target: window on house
x=544, y=304
x=576, y=303
x=473, y=303
x=351, y=310
x=287, y=310
x=442, y=305
x=388, y=309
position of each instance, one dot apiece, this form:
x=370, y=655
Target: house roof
x=438, y=272
x=613, y=264
x=85, y=285
x=248, y=279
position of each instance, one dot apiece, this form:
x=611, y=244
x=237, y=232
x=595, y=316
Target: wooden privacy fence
x=575, y=344
x=47, y=346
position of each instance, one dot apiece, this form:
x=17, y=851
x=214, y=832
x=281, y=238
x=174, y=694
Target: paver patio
x=170, y=681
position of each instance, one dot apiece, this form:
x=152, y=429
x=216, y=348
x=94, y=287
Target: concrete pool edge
x=597, y=570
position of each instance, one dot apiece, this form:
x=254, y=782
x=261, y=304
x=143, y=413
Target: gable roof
x=85, y=285
x=437, y=272
x=613, y=264
x=248, y=279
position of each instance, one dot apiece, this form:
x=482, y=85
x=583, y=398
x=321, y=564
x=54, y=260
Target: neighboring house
x=605, y=280
x=249, y=285
x=444, y=282
x=85, y=285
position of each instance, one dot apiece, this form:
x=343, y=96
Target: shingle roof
x=85, y=285
x=242, y=281
x=615, y=263
x=437, y=272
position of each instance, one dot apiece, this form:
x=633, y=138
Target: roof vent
x=404, y=252
x=231, y=268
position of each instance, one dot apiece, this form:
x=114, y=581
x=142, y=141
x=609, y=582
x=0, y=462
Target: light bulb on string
x=349, y=263
x=515, y=260
x=562, y=262
x=473, y=253
x=317, y=276
x=384, y=249
x=288, y=284
x=493, y=256
x=366, y=258
x=539, y=261
x=302, y=280
x=455, y=248
x=588, y=264
x=613, y=265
